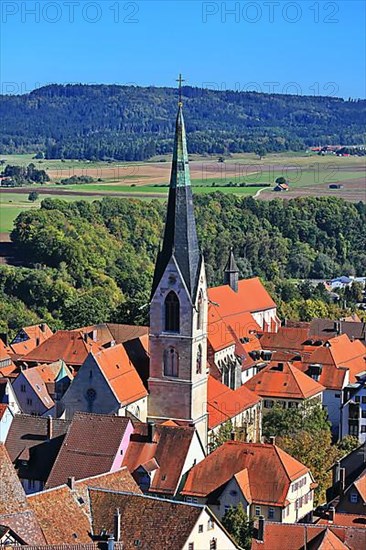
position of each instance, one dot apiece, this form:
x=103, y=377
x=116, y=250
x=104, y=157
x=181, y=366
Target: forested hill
x=135, y=123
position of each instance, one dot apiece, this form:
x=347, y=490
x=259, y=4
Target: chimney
x=49, y=427
x=117, y=525
x=150, y=431
x=336, y=473
x=272, y=440
x=260, y=533
x=342, y=480
x=42, y=326
x=331, y=514
x=337, y=327
x=231, y=273
x=71, y=482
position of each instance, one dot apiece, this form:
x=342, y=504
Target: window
x=22, y=388
x=257, y=510
x=357, y=398
x=213, y=544
x=29, y=401
x=191, y=546
x=171, y=362
x=199, y=360
x=271, y=513
x=337, y=395
x=210, y=524
x=363, y=414
x=172, y=312
x=200, y=311
x=353, y=498
x=364, y=399
x=200, y=528
x=363, y=429
x=268, y=404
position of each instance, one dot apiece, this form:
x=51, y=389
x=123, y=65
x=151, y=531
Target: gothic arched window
x=172, y=312
x=200, y=311
x=199, y=360
x=171, y=362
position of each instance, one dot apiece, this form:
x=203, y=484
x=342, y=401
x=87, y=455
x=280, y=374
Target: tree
x=348, y=444
x=33, y=196
x=261, y=152
x=281, y=180
x=239, y=526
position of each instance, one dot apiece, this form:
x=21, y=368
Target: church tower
x=231, y=273
x=178, y=309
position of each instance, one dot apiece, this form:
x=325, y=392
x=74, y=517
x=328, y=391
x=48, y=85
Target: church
x=186, y=350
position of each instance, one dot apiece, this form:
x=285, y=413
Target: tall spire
x=231, y=273
x=180, y=236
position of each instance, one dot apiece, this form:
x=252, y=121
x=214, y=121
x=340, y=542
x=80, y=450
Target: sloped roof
x=293, y=339
x=50, y=372
x=89, y=448
x=68, y=345
x=38, y=385
x=286, y=382
x=60, y=516
x=4, y=351
x=121, y=374
x=169, y=448
x=360, y=485
x=288, y=536
x=12, y=496
x=3, y=409
x=157, y=523
x=25, y=525
x=100, y=333
x=37, y=334
x=345, y=520
x=251, y=297
x=30, y=433
x=268, y=463
x=124, y=333
x=224, y=403
x=340, y=352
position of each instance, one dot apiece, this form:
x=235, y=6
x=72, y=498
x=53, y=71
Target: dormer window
x=172, y=312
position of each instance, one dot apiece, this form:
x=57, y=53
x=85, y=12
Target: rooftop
x=251, y=297
x=273, y=466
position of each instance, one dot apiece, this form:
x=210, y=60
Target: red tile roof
x=169, y=448
x=68, y=345
x=360, y=485
x=121, y=374
x=38, y=385
x=37, y=334
x=156, y=523
x=89, y=448
x=26, y=527
x=268, y=463
x=49, y=372
x=345, y=520
x=12, y=496
x=251, y=297
x=299, y=536
x=286, y=382
x=224, y=403
x=60, y=516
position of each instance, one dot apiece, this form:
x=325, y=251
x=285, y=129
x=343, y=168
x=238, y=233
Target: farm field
x=308, y=174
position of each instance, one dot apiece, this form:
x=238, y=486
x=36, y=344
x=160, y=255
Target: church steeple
x=180, y=236
x=231, y=273
x=178, y=307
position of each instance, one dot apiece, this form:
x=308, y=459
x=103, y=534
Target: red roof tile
x=68, y=345
x=224, y=403
x=251, y=296
x=83, y=454
x=26, y=527
x=169, y=448
x=37, y=334
x=287, y=536
x=60, y=516
x=267, y=463
x=345, y=520
x=3, y=409
x=12, y=496
x=121, y=374
x=286, y=382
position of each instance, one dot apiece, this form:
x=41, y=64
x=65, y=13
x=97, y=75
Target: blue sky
x=308, y=47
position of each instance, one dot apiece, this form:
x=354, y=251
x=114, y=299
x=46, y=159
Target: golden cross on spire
x=180, y=80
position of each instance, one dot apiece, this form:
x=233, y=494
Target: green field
x=303, y=170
